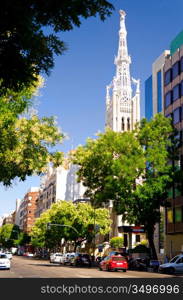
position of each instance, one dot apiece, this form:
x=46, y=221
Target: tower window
x=128, y=124
x=122, y=124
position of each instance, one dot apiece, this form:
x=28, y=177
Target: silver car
x=175, y=265
x=56, y=258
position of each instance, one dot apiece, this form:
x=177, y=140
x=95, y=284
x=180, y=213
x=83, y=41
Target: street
x=25, y=267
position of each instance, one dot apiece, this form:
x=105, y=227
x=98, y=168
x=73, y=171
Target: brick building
x=27, y=209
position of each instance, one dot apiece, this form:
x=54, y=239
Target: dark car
x=138, y=264
x=114, y=263
x=81, y=259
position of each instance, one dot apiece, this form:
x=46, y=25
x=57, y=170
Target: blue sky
x=75, y=90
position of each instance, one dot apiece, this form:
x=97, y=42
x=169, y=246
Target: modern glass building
x=154, y=87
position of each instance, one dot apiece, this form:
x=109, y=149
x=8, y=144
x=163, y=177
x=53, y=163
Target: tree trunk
x=150, y=236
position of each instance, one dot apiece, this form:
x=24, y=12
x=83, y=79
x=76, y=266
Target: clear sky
x=75, y=90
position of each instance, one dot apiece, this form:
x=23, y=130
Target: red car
x=114, y=263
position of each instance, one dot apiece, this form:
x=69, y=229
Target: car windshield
x=3, y=256
x=174, y=259
x=58, y=255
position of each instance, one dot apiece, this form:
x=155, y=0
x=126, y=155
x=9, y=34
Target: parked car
x=71, y=258
x=114, y=263
x=9, y=255
x=28, y=254
x=81, y=259
x=68, y=257
x=57, y=258
x=175, y=265
x=4, y=261
x=138, y=263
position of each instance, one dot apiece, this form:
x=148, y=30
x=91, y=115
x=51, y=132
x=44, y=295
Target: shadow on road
x=45, y=265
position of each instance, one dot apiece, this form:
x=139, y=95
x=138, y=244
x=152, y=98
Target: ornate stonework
x=122, y=109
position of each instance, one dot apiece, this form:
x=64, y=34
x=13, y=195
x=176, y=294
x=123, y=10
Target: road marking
x=84, y=276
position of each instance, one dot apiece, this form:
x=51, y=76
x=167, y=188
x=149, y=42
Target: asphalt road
x=26, y=267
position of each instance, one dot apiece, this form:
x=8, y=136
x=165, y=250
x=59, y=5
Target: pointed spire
x=122, y=22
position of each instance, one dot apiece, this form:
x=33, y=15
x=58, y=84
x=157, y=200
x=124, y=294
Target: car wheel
x=108, y=269
x=171, y=270
x=124, y=270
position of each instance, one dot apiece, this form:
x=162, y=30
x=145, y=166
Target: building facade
x=53, y=188
x=9, y=219
x=154, y=87
x=27, y=209
x=59, y=184
x=173, y=107
x=17, y=212
x=148, y=98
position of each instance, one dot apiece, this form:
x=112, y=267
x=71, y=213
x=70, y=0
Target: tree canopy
x=76, y=219
x=25, y=141
x=8, y=235
x=109, y=165
x=29, y=35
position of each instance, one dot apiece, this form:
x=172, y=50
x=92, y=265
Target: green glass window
x=170, y=193
x=178, y=214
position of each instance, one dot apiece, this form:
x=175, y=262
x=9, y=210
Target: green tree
x=109, y=166
x=29, y=35
x=8, y=235
x=132, y=169
x=23, y=239
x=25, y=142
x=117, y=242
x=76, y=220
x=144, y=207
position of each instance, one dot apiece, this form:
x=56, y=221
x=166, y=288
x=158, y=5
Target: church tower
x=122, y=108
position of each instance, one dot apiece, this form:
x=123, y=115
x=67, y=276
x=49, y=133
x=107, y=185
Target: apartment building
x=27, y=209
x=173, y=107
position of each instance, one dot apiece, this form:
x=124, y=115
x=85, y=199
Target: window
x=169, y=215
x=175, y=70
x=159, y=91
x=178, y=214
x=181, y=64
x=122, y=124
x=137, y=238
x=176, y=92
x=168, y=99
x=181, y=88
x=168, y=77
x=128, y=124
x=176, y=116
x=180, y=261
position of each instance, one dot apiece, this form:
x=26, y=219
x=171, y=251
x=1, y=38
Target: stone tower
x=122, y=108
